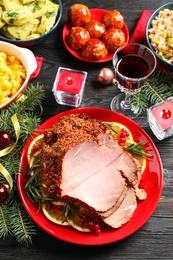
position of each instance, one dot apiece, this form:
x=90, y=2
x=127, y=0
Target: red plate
x=96, y=14
x=152, y=181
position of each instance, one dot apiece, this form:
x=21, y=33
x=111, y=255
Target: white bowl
x=27, y=59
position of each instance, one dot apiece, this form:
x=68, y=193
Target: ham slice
x=88, y=171
x=129, y=168
x=124, y=213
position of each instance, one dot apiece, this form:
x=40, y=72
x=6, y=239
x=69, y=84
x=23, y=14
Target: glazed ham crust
x=68, y=132
x=82, y=163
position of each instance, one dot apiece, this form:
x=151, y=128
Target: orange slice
x=34, y=147
x=142, y=161
x=117, y=128
x=77, y=224
x=55, y=213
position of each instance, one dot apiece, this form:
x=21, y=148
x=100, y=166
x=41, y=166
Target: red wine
x=133, y=67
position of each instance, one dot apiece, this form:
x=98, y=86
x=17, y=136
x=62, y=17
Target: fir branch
x=22, y=226
x=33, y=96
x=4, y=222
x=14, y=220
x=157, y=88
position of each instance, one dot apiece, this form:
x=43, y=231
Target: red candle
x=70, y=82
x=164, y=114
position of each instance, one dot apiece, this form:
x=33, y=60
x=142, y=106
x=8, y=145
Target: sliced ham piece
x=129, y=168
x=89, y=175
x=84, y=160
x=124, y=213
x=99, y=197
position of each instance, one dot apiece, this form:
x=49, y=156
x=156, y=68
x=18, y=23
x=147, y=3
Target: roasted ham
x=84, y=164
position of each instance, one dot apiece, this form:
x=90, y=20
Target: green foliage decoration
x=14, y=220
x=157, y=88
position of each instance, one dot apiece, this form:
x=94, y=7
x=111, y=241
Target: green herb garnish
x=137, y=149
x=32, y=186
x=110, y=125
x=69, y=211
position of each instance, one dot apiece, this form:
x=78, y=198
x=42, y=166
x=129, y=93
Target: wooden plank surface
x=155, y=239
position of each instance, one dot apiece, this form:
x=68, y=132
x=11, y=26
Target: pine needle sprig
x=28, y=126
x=32, y=98
x=4, y=222
x=14, y=220
x=22, y=226
x=5, y=213
x=157, y=88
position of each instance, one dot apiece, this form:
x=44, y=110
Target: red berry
x=121, y=143
x=122, y=139
x=97, y=232
x=90, y=225
x=84, y=218
x=96, y=227
x=124, y=132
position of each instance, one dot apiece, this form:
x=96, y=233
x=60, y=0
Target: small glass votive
x=160, y=118
x=68, y=87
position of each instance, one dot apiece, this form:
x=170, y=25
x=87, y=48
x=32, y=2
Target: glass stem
x=126, y=103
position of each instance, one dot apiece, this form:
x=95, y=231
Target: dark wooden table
x=155, y=239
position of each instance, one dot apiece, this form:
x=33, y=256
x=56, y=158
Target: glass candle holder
x=68, y=87
x=160, y=118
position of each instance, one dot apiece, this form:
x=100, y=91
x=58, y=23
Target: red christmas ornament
x=4, y=139
x=3, y=193
x=105, y=76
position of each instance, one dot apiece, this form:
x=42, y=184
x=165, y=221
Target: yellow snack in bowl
x=12, y=76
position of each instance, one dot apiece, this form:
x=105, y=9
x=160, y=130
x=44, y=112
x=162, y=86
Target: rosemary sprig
x=137, y=149
x=110, y=125
x=32, y=186
x=69, y=211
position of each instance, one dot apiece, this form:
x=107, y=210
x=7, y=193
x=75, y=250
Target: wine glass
x=133, y=64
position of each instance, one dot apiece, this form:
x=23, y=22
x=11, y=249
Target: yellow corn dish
x=161, y=34
x=12, y=76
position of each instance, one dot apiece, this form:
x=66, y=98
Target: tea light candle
x=164, y=114
x=70, y=81
x=160, y=118
x=69, y=86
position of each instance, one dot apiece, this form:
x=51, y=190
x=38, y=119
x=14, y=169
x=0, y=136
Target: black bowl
x=36, y=41
x=149, y=25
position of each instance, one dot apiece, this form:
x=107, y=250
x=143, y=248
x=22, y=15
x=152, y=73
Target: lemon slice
x=36, y=142
x=54, y=213
x=34, y=158
x=142, y=161
x=117, y=127
x=77, y=224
